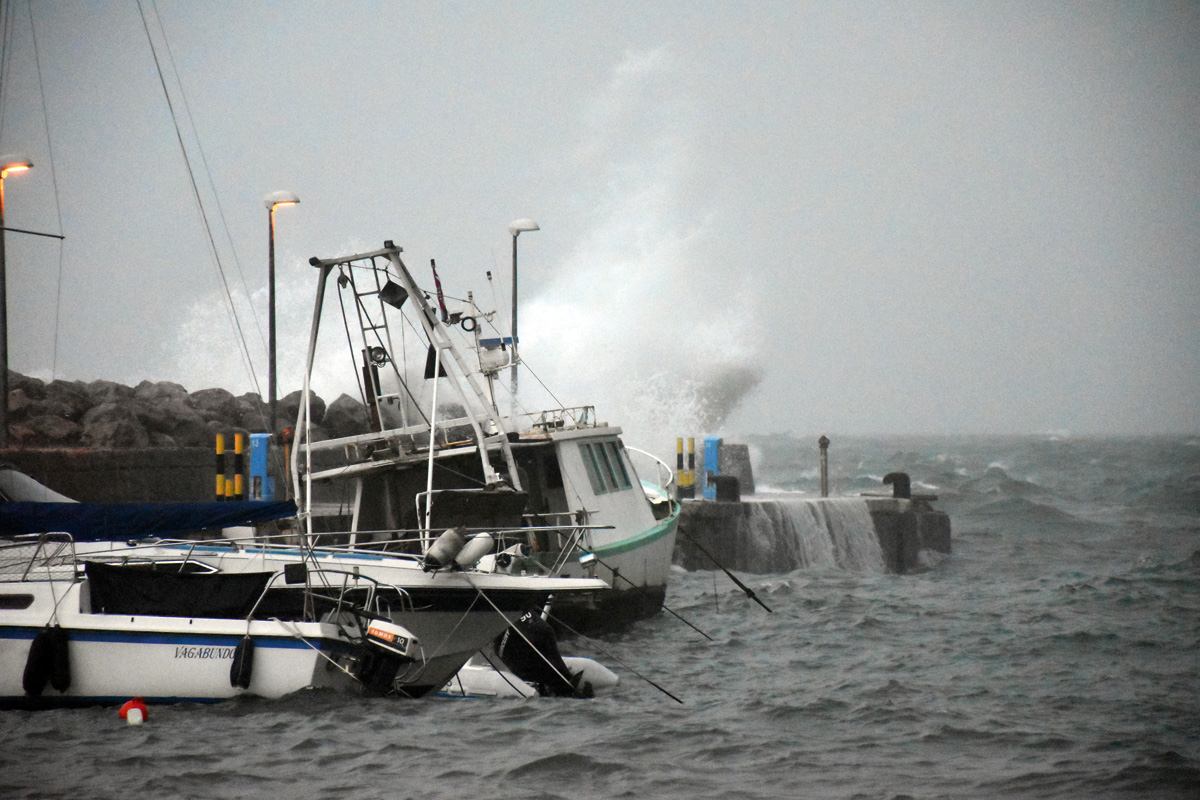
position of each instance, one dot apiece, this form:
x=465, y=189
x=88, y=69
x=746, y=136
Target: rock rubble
x=107, y=415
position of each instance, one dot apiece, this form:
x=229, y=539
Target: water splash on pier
x=795, y=533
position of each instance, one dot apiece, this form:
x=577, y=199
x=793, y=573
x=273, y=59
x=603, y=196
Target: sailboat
x=76, y=631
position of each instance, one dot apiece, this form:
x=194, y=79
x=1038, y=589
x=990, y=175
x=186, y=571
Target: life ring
x=465, y=320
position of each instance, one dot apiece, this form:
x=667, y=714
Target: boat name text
x=190, y=651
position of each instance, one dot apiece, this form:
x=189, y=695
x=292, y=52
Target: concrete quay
x=770, y=535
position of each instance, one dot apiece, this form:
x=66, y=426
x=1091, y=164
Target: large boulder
x=71, y=399
x=21, y=405
x=45, y=431
x=253, y=414
x=345, y=416
x=159, y=391
x=289, y=409
x=215, y=405
x=33, y=387
x=111, y=425
x=175, y=419
x=102, y=392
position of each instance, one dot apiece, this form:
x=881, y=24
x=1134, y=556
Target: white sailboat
x=83, y=633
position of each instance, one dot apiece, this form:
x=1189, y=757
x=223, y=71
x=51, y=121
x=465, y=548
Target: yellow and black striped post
x=687, y=475
x=239, y=466
x=231, y=472
x=679, y=463
x=220, y=448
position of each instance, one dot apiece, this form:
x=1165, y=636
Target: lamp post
x=516, y=227
x=9, y=165
x=273, y=201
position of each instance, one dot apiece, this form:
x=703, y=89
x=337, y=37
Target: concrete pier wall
x=764, y=535
x=130, y=475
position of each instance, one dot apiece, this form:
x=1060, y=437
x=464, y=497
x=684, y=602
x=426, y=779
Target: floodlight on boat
x=518, y=226
x=392, y=293
x=276, y=199
x=11, y=164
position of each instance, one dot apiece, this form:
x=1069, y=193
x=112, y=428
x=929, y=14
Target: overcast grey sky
x=902, y=217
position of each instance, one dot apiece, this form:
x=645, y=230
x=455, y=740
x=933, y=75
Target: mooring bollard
x=823, y=443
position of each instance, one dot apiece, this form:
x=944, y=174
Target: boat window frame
x=592, y=467
x=610, y=472
x=616, y=453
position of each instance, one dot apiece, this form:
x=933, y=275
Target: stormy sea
x=1054, y=654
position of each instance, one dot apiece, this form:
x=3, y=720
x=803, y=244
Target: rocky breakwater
x=105, y=441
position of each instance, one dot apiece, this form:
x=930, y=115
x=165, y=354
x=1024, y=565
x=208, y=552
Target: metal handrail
x=664, y=469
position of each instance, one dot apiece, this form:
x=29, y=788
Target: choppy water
x=1056, y=653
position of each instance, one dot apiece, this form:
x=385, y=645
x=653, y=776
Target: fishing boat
x=555, y=492
x=83, y=632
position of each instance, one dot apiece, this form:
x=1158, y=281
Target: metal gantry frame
x=447, y=354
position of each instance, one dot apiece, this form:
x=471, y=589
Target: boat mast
x=461, y=378
x=439, y=338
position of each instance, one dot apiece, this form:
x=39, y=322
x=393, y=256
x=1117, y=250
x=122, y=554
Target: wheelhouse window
x=605, y=467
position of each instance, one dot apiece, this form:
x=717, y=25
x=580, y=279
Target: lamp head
x=275, y=199
x=11, y=164
x=517, y=226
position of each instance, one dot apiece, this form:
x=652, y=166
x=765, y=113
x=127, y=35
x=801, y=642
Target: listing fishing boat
x=554, y=492
x=84, y=632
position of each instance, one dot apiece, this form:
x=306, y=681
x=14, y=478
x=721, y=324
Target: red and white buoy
x=134, y=711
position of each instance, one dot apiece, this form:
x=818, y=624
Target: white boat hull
x=480, y=680
x=161, y=659
x=452, y=613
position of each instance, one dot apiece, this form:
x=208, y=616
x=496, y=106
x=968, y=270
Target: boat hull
x=637, y=568
x=162, y=659
x=453, y=614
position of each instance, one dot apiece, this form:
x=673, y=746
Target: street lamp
x=516, y=228
x=273, y=201
x=9, y=165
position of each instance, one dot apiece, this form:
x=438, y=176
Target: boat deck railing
x=44, y=556
x=664, y=476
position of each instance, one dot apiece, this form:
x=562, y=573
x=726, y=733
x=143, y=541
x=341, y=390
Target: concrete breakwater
x=780, y=534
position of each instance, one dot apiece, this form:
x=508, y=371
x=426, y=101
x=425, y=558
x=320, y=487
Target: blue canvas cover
x=99, y=522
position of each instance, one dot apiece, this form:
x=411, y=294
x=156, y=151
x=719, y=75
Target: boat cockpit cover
x=140, y=591
x=100, y=522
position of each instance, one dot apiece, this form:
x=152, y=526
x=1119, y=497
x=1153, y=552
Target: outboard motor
x=386, y=646
x=541, y=664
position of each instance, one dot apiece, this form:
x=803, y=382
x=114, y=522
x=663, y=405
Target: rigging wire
x=362, y=392
x=54, y=182
x=244, y=352
x=6, y=61
x=208, y=173
x=608, y=654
